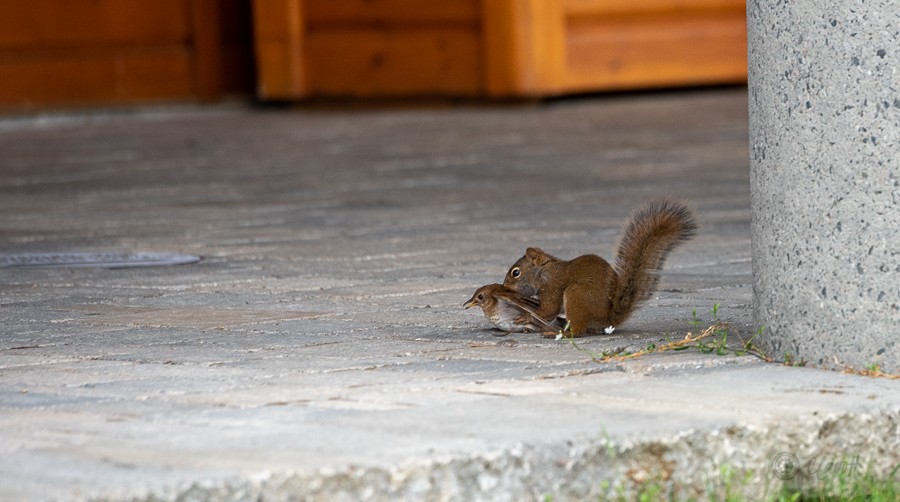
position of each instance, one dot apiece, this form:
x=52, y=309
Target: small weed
x=608, y=444
x=846, y=486
x=748, y=345
x=647, y=491
x=732, y=485
x=695, y=321
x=728, y=485
x=872, y=370
x=713, y=339
x=604, y=486
x=718, y=338
x=790, y=361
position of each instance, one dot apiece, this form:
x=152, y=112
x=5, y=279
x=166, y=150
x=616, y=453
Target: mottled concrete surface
x=825, y=115
x=320, y=350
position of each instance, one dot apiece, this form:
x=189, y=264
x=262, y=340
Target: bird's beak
x=469, y=304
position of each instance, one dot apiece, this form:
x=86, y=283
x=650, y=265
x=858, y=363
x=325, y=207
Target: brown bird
x=511, y=311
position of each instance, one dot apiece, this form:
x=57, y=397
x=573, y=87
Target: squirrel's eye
x=515, y=273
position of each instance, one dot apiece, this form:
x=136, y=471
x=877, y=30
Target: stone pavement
x=320, y=350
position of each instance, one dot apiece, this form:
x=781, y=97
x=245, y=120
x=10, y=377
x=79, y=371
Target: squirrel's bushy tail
x=650, y=234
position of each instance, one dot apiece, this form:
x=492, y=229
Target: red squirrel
x=589, y=291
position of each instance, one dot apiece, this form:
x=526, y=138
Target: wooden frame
x=499, y=48
x=101, y=52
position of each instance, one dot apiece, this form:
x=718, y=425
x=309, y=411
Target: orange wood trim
x=95, y=77
x=607, y=8
x=550, y=45
x=647, y=52
x=505, y=39
x=394, y=62
x=524, y=46
x=206, y=21
x=390, y=12
x=279, y=32
x=78, y=24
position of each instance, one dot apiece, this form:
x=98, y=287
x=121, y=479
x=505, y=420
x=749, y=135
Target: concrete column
x=825, y=160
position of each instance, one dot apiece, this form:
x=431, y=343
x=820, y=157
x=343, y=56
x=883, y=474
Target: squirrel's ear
x=537, y=256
